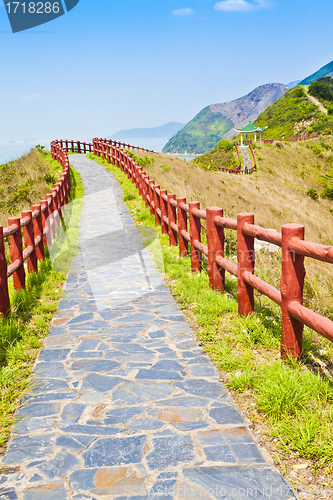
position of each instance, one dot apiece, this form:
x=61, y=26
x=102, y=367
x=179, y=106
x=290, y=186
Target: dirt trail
x=316, y=102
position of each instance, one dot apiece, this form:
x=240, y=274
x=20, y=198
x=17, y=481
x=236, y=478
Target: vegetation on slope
x=223, y=155
x=201, y=134
x=290, y=406
x=24, y=182
x=294, y=115
x=276, y=194
x=289, y=116
x=22, y=333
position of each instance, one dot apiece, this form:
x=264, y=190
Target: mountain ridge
x=216, y=121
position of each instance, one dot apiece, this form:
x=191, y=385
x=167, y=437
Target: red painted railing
x=87, y=147
x=182, y=222
x=38, y=225
x=238, y=169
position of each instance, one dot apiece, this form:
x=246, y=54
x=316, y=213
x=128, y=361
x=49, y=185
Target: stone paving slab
x=125, y=404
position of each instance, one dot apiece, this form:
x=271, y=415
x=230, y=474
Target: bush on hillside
x=224, y=145
x=327, y=193
x=321, y=90
x=312, y=193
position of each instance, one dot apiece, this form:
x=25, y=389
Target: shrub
x=312, y=193
x=279, y=145
x=224, y=145
x=321, y=90
x=327, y=193
x=166, y=168
x=299, y=92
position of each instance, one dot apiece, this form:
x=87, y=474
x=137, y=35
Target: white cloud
x=183, y=12
x=242, y=5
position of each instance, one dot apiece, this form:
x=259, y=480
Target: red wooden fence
x=182, y=223
x=37, y=224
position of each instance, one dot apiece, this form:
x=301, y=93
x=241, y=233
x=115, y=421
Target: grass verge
x=290, y=404
x=23, y=331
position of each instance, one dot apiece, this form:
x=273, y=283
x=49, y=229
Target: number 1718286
x=33, y=7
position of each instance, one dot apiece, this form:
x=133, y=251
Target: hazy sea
x=10, y=152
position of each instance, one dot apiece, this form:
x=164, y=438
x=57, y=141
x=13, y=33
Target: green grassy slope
x=293, y=107
x=201, y=134
x=294, y=115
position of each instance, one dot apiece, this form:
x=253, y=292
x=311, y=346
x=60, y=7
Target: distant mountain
x=293, y=84
x=217, y=120
x=326, y=70
x=164, y=131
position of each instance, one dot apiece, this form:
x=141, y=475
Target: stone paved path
x=126, y=405
x=246, y=157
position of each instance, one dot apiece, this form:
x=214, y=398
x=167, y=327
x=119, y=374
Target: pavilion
x=250, y=129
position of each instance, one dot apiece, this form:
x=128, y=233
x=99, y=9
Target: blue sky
x=107, y=65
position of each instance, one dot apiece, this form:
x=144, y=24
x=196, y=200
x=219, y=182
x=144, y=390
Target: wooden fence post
x=51, y=215
x=4, y=295
x=182, y=226
x=195, y=235
x=157, y=204
x=292, y=283
x=145, y=187
x=151, y=195
x=38, y=230
x=172, y=215
x=215, y=243
x=16, y=253
x=29, y=241
x=45, y=221
x=164, y=210
x=245, y=258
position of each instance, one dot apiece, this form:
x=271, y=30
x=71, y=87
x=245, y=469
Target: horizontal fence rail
x=29, y=235
x=181, y=221
x=87, y=147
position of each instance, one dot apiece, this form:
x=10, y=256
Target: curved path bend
x=126, y=405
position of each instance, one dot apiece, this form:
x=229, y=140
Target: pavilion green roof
x=250, y=128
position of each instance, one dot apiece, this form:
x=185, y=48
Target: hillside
x=326, y=70
x=216, y=121
x=24, y=182
x=278, y=193
x=294, y=115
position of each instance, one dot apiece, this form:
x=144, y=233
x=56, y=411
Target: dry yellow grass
x=276, y=194
x=23, y=183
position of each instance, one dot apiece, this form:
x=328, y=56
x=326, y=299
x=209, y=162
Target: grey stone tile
x=226, y=414
x=92, y=430
x=100, y=383
x=49, y=491
x=62, y=463
x=203, y=388
x=92, y=365
x=220, y=453
x=74, y=442
x=51, y=370
x=24, y=448
x=115, y=451
x=235, y=482
x=247, y=453
x=53, y=354
x=133, y=393
x=121, y=415
x=170, y=452
x=71, y=413
x=153, y=374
